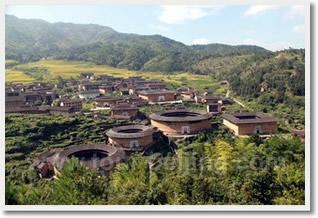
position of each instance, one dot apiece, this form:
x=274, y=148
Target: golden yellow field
x=67, y=69
x=14, y=76
x=10, y=61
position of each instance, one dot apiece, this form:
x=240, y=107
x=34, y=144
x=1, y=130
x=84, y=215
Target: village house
x=85, y=86
x=185, y=89
x=87, y=75
x=76, y=103
x=136, y=78
x=108, y=101
x=187, y=94
x=147, y=82
x=157, y=95
x=24, y=109
x=104, y=77
x=32, y=97
x=214, y=108
x=90, y=94
x=124, y=92
x=247, y=123
x=40, y=84
x=207, y=93
x=43, y=89
x=136, y=90
x=13, y=102
x=104, y=89
x=125, y=83
x=154, y=86
x=12, y=93
x=134, y=100
x=48, y=96
x=123, y=111
x=211, y=99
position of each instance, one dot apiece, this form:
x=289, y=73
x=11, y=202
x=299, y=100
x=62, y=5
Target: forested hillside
x=30, y=40
x=272, y=83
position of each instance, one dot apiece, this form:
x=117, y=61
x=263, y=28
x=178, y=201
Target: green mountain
x=31, y=39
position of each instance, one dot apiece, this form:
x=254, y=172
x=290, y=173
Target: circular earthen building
x=99, y=156
x=132, y=137
x=181, y=121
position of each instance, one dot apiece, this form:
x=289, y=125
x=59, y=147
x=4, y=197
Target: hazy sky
x=272, y=27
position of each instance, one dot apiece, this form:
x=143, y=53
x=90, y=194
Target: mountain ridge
x=32, y=39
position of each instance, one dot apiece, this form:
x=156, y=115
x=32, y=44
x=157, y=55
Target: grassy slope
x=67, y=69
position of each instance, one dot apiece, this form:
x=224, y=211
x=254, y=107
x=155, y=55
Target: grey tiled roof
x=115, y=132
x=188, y=115
x=259, y=118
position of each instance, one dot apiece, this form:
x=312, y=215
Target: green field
x=68, y=69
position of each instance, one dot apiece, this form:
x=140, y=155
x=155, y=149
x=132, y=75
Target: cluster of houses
x=38, y=97
x=173, y=122
x=135, y=91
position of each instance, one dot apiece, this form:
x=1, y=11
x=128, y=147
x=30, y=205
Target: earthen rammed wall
x=155, y=97
x=248, y=129
x=131, y=113
x=175, y=127
x=125, y=143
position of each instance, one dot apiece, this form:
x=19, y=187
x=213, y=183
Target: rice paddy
x=68, y=69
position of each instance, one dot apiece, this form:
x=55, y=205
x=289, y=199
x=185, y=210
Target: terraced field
x=15, y=76
x=67, y=69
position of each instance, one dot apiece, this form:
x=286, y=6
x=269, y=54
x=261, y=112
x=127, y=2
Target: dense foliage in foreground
x=215, y=168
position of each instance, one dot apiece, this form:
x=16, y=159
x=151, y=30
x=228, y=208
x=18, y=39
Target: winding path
x=236, y=101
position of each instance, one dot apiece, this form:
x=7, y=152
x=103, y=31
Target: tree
x=56, y=102
x=134, y=183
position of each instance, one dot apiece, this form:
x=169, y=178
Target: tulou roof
x=249, y=117
x=130, y=131
x=123, y=107
x=70, y=100
x=114, y=155
x=180, y=115
x=154, y=92
x=108, y=98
